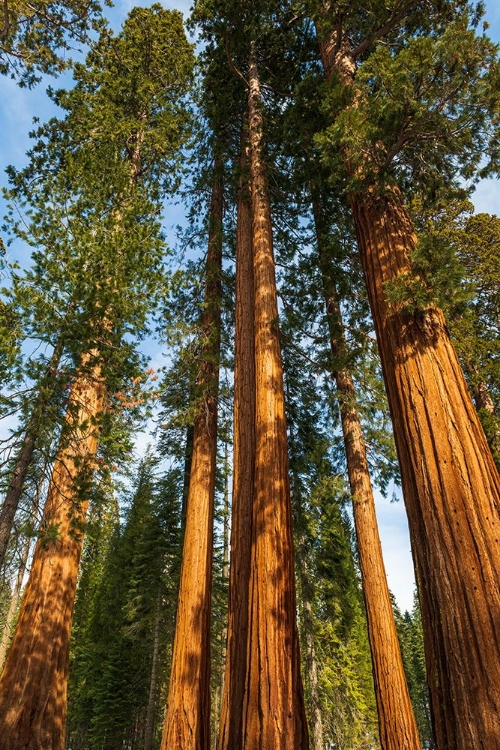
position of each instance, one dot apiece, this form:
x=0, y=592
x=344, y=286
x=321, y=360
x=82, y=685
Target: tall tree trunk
x=34, y=680
x=243, y=469
x=397, y=725
x=273, y=706
x=187, y=722
x=23, y=461
x=450, y=483
x=317, y=738
x=153, y=683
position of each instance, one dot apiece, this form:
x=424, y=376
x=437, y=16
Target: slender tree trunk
x=397, y=725
x=187, y=722
x=243, y=469
x=188, y=458
x=317, y=739
x=14, y=601
x=34, y=680
x=450, y=483
x=153, y=683
x=15, y=488
x=273, y=706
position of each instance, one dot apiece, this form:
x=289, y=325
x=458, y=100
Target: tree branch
x=395, y=17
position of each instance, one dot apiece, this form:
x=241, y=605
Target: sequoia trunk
x=243, y=469
x=273, y=707
x=451, y=486
x=34, y=680
x=451, y=489
x=397, y=725
x=187, y=721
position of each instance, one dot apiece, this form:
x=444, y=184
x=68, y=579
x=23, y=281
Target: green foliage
x=422, y=105
x=411, y=640
x=35, y=37
x=330, y=602
x=475, y=328
x=128, y=581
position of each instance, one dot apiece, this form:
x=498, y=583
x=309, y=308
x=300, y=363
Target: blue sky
x=17, y=109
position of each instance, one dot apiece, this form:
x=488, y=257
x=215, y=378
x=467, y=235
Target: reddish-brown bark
x=187, y=721
x=451, y=488
x=273, y=713
x=34, y=679
x=243, y=469
x=450, y=483
x=397, y=725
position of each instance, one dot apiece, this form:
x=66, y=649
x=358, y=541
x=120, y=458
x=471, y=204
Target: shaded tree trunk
x=34, y=680
x=317, y=739
x=273, y=705
x=243, y=469
x=397, y=725
x=23, y=461
x=187, y=722
x=188, y=458
x=153, y=683
x=14, y=601
x=450, y=483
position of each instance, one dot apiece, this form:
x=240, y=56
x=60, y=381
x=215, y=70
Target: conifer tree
x=35, y=37
x=124, y=203
x=187, y=720
x=396, y=719
x=243, y=464
x=451, y=486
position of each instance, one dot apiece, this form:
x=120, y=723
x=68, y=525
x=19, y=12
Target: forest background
x=134, y=478
x=18, y=107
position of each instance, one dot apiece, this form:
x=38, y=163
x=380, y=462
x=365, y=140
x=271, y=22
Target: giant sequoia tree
x=187, y=720
x=433, y=72
x=111, y=242
x=403, y=105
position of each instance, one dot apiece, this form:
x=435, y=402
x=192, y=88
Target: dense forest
x=198, y=421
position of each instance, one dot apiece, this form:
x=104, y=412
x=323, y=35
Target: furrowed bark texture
x=187, y=721
x=450, y=483
x=243, y=469
x=34, y=680
x=451, y=488
x=397, y=725
x=15, y=488
x=273, y=706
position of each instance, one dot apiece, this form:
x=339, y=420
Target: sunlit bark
x=34, y=679
x=450, y=483
x=187, y=721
